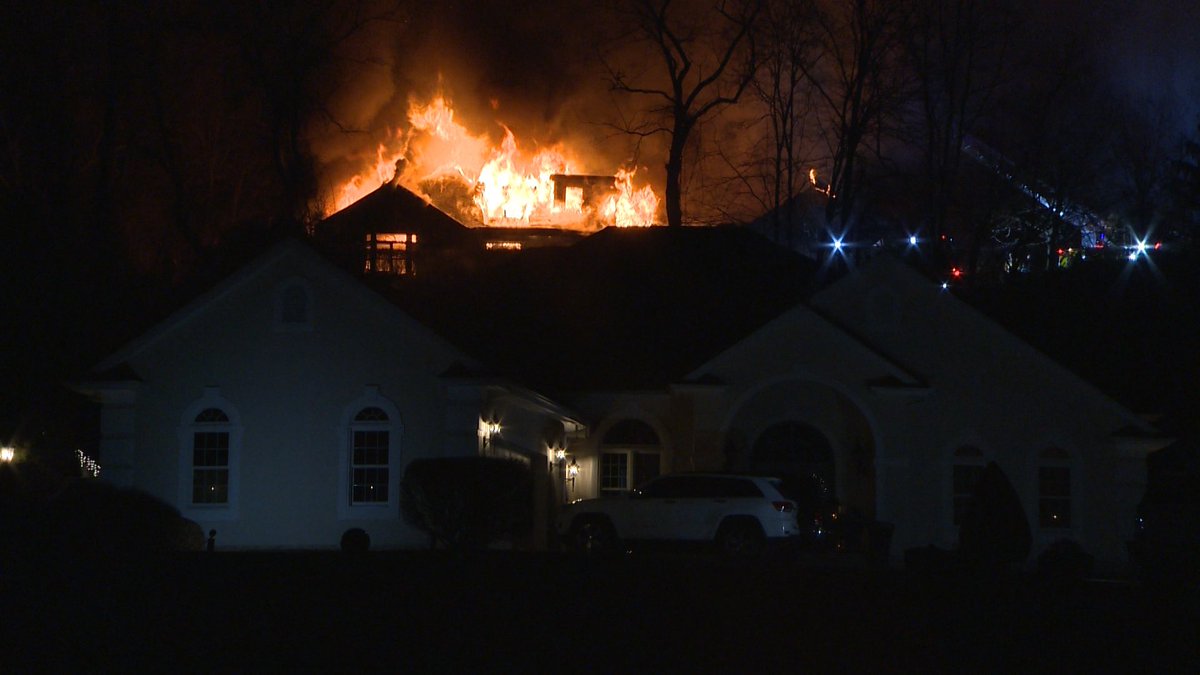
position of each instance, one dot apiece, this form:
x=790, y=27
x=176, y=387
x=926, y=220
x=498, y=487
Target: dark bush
x=995, y=532
x=1064, y=561
x=468, y=502
x=930, y=560
x=355, y=540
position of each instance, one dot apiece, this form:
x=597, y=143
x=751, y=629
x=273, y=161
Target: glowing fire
x=812, y=178
x=469, y=177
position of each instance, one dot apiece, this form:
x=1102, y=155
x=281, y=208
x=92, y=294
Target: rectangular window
x=966, y=477
x=627, y=470
x=210, y=467
x=614, y=471
x=389, y=253
x=1054, y=496
x=369, y=468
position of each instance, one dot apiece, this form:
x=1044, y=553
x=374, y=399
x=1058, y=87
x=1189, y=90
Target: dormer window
x=389, y=253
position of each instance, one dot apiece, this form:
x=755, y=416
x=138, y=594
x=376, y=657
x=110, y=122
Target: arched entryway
x=810, y=434
x=802, y=456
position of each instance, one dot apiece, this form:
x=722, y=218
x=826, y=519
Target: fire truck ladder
x=1091, y=229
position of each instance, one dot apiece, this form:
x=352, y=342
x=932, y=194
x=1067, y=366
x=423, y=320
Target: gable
x=912, y=321
x=267, y=308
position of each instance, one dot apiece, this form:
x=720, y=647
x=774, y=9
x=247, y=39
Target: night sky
x=146, y=150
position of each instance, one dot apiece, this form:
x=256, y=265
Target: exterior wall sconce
x=560, y=455
x=8, y=454
x=572, y=472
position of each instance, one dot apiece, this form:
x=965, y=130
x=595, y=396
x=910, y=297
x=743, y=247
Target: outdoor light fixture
x=837, y=244
x=560, y=455
x=7, y=454
x=572, y=472
x=912, y=240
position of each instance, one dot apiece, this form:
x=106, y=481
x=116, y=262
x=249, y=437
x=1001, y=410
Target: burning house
x=282, y=408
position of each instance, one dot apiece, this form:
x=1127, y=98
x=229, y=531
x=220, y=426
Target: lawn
x=515, y=612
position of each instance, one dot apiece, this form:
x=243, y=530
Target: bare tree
x=859, y=85
x=957, y=51
x=708, y=60
x=780, y=86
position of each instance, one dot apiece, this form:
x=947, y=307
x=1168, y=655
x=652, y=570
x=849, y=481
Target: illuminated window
x=503, y=246
x=210, y=457
x=370, y=443
x=1054, y=489
x=389, y=253
x=968, y=468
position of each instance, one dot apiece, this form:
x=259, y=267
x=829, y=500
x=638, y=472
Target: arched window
x=370, y=443
x=631, y=454
x=211, y=431
x=1054, y=489
x=968, y=467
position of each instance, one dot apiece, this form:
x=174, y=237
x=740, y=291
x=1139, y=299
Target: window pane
x=1054, y=512
x=614, y=471
x=645, y=467
x=1054, y=496
x=369, y=486
x=371, y=414
x=209, y=415
x=210, y=486
x=370, y=448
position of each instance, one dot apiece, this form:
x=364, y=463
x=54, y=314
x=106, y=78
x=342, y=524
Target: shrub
x=1064, y=561
x=355, y=540
x=994, y=532
x=468, y=502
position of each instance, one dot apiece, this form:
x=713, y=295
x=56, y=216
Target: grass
x=515, y=612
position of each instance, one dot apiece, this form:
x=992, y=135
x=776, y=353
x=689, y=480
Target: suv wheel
x=593, y=536
x=740, y=539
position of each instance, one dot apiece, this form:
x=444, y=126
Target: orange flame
x=506, y=185
x=630, y=207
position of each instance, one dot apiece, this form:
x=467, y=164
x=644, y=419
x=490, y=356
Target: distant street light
x=7, y=454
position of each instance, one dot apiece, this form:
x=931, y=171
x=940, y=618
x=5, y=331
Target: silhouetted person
x=212, y=541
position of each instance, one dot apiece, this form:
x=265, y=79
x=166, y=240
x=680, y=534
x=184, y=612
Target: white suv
x=740, y=514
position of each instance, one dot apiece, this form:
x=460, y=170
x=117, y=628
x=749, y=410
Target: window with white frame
x=968, y=468
x=1054, y=489
x=630, y=456
x=370, y=443
x=210, y=457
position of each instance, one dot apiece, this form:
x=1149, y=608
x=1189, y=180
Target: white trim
x=949, y=460
x=1048, y=535
x=370, y=398
x=211, y=398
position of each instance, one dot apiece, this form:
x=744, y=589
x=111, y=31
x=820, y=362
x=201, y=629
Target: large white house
x=281, y=408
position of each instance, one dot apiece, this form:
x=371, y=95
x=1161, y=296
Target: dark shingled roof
x=622, y=309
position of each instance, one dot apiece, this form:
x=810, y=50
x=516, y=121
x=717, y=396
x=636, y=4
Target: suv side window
x=665, y=488
x=734, y=488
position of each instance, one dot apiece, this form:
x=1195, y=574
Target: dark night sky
x=534, y=59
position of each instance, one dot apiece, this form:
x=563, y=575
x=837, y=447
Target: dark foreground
x=424, y=612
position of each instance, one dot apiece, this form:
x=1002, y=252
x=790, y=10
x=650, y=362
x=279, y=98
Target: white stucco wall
x=292, y=391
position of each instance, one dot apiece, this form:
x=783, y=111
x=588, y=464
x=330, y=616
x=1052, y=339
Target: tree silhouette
x=708, y=60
